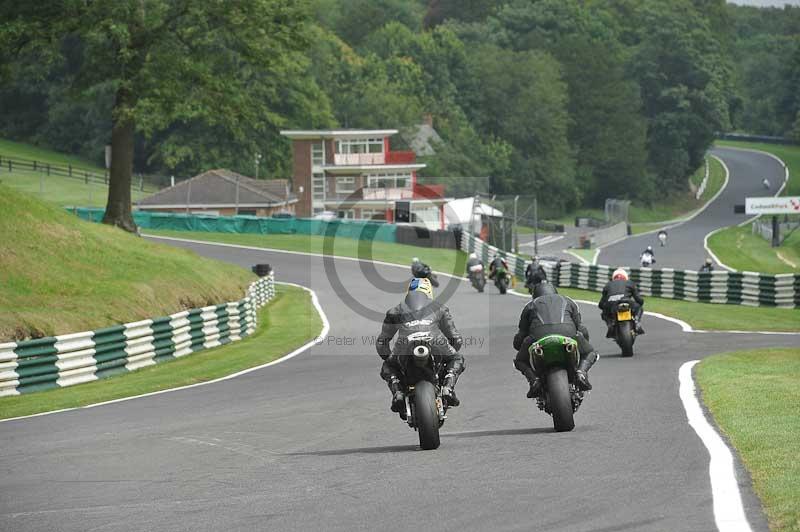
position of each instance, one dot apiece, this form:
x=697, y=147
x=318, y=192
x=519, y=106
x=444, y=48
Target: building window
x=348, y=214
x=359, y=146
x=373, y=214
x=389, y=180
x=345, y=184
x=317, y=153
x=318, y=187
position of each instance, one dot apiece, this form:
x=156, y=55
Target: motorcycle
x=477, y=277
x=624, y=325
x=501, y=279
x=556, y=357
x=425, y=408
x=647, y=260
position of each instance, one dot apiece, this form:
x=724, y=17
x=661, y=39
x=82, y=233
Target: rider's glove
x=456, y=342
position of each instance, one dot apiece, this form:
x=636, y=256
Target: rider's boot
x=581, y=373
x=449, y=389
x=534, y=382
x=398, y=397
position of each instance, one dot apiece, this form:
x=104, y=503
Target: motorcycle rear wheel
x=625, y=338
x=427, y=416
x=560, y=400
x=502, y=286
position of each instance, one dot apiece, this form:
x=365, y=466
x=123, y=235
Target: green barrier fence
x=356, y=229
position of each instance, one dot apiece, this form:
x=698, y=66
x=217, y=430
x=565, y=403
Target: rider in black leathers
x=420, y=270
x=620, y=287
x=419, y=312
x=534, y=274
x=497, y=262
x=550, y=313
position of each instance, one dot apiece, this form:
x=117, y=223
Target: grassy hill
x=51, y=188
x=59, y=274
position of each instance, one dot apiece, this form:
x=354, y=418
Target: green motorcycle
x=556, y=358
x=501, y=279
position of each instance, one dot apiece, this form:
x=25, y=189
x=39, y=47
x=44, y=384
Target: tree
x=606, y=129
x=166, y=61
x=521, y=98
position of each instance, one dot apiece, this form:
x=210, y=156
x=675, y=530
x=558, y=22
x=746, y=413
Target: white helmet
x=473, y=255
x=649, y=248
x=415, y=259
x=619, y=274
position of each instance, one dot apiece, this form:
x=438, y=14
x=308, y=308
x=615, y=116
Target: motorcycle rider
x=708, y=266
x=550, y=313
x=662, y=237
x=623, y=288
x=534, y=273
x=648, y=257
x=420, y=270
x=497, y=262
x=419, y=311
x=473, y=260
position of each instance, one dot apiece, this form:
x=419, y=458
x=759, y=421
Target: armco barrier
x=356, y=229
x=735, y=288
x=68, y=359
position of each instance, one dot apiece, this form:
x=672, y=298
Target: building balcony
x=401, y=157
x=366, y=159
x=358, y=159
x=418, y=192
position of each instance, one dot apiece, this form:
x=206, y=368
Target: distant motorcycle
x=425, y=408
x=624, y=324
x=556, y=357
x=477, y=277
x=502, y=279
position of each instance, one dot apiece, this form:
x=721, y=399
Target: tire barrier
x=65, y=360
x=732, y=288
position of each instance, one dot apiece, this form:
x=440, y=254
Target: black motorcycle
x=624, y=325
x=425, y=407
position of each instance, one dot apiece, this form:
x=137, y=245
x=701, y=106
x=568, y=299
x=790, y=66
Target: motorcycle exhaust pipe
x=570, y=347
x=421, y=351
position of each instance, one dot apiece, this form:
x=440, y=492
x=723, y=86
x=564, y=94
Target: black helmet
x=543, y=289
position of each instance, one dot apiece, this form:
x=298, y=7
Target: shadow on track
x=358, y=450
x=503, y=432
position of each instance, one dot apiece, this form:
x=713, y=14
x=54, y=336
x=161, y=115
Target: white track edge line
x=287, y=252
x=729, y=514
x=674, y=223
x=324, y=332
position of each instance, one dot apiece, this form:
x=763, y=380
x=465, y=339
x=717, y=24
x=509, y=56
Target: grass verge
x=51, y=188
x=712, y=317
x=788, y=154
x=59, y=274
x=740, y=249
x=645, y=218
x=442, y=260
x=752, y=396
x=287, y=322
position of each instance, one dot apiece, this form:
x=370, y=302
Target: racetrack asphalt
x=684, y=248
x=310, y=444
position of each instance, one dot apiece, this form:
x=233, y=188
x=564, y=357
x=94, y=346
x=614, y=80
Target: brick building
x=355, y=174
